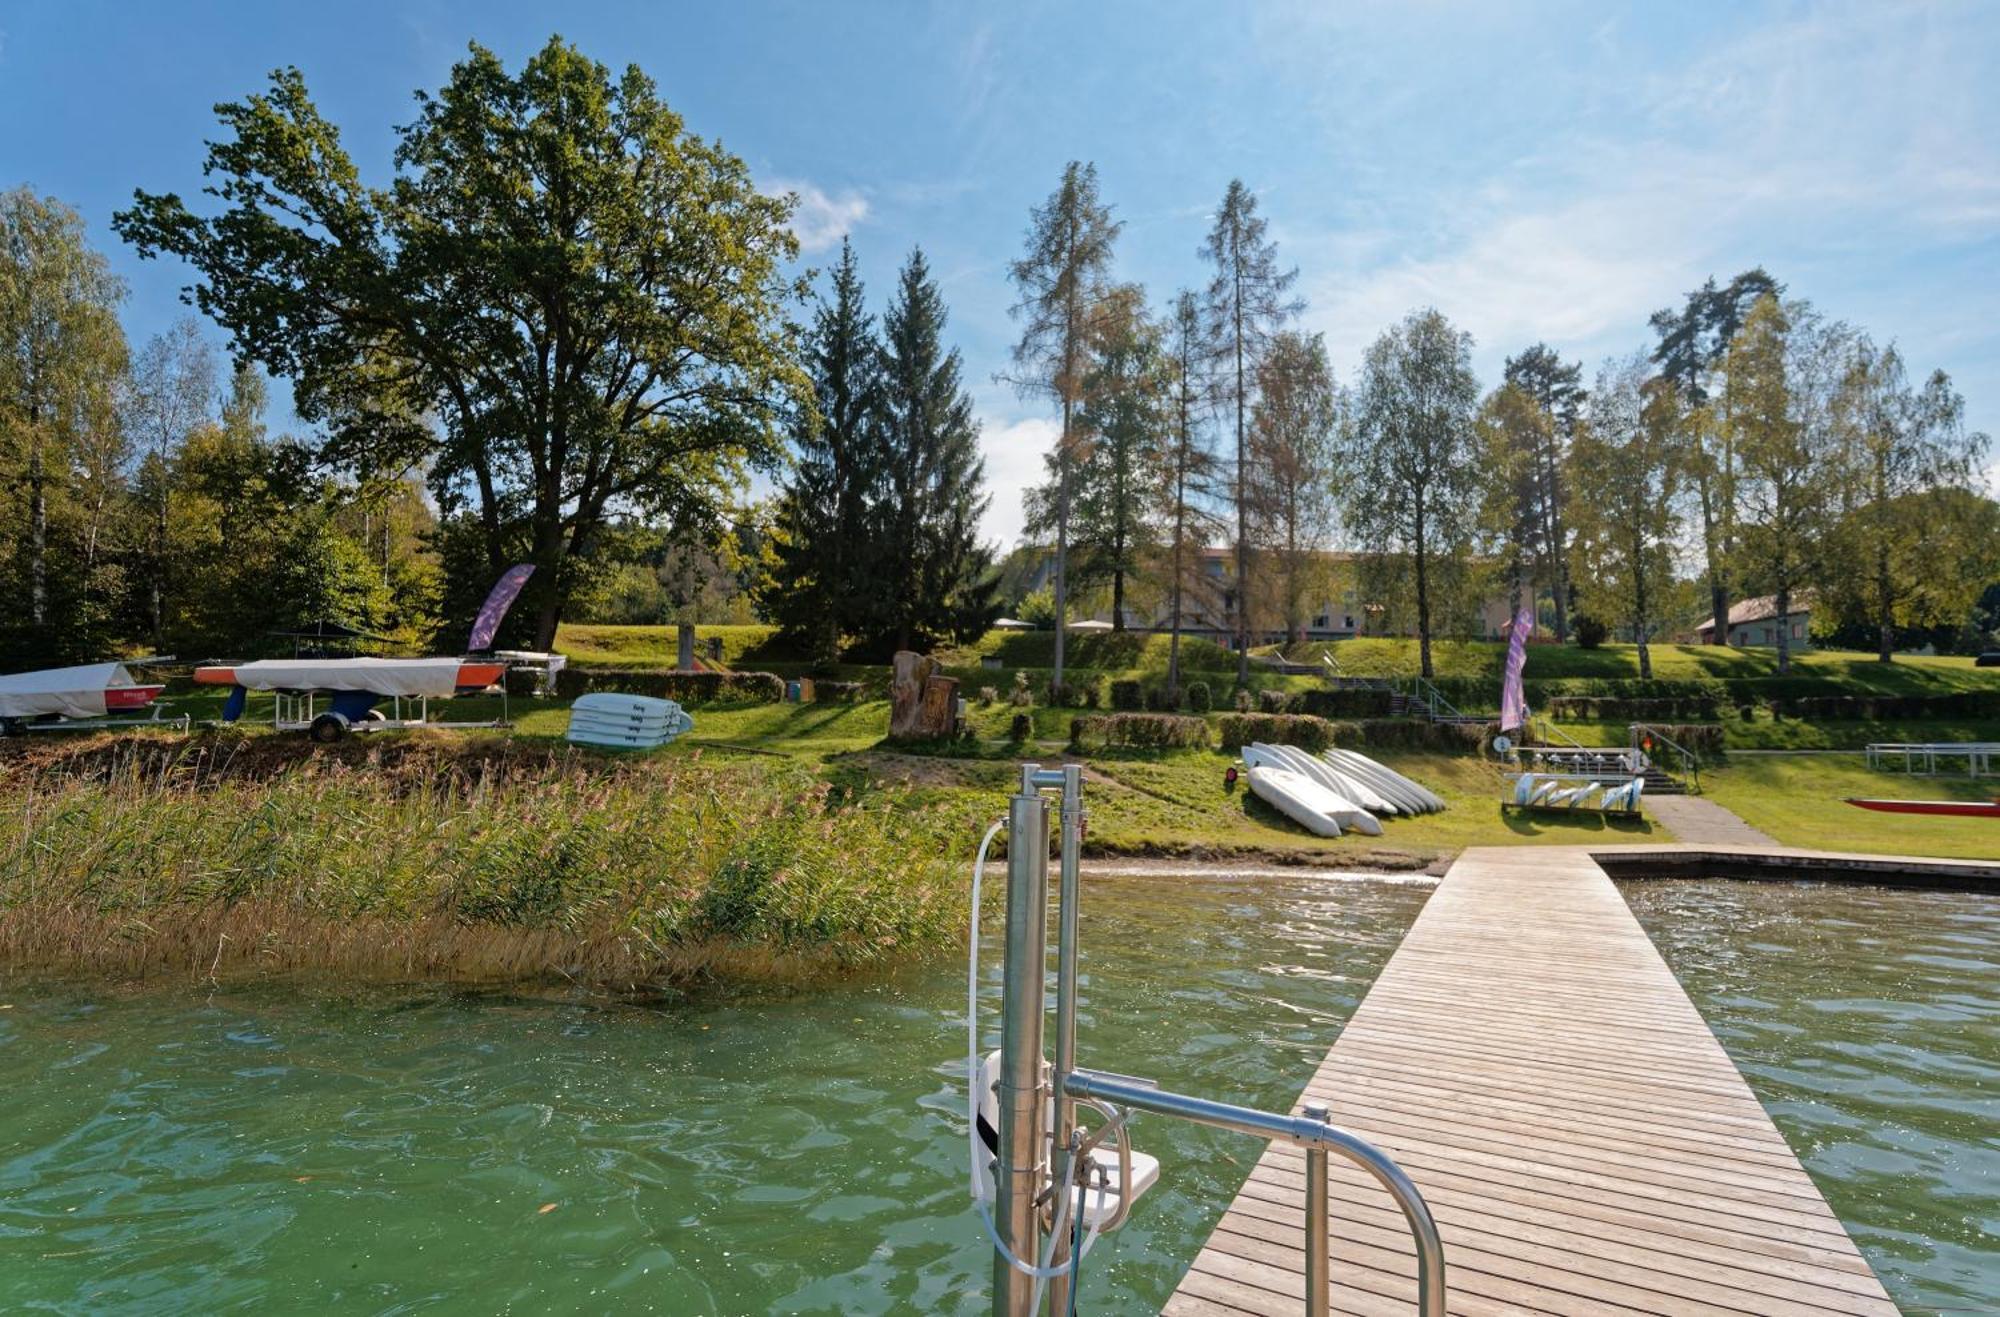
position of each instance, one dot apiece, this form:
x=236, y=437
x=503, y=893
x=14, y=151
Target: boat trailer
x=1047, y=1179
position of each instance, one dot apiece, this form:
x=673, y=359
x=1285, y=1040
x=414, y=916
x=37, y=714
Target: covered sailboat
x=72, y=696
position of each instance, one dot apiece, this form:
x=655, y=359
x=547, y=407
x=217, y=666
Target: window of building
x=1320, y=622
x=1348, y=621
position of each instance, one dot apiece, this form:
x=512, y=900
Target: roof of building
x=1761, y=609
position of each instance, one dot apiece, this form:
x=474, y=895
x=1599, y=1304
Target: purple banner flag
x=505, y=591
x=1513, y=705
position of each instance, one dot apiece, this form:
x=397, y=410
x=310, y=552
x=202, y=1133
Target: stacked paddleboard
x=626, y=722
x=1536, y=792
x=1335, y=792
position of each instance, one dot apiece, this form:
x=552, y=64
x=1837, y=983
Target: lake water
x=265, y=1148
x=1867, y=1020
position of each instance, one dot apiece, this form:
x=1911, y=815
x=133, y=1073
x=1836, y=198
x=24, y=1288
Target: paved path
x=1582, y=1138
x=1700, y=821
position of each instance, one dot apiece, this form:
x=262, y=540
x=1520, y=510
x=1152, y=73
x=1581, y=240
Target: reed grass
x=438, y=860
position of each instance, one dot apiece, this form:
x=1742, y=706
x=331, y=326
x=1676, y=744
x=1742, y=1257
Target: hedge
x=1149, y=731
x=1704, y=740
x=837, y=692
x=1299, y=729
x=1605, y=709
x=1336, y=704
x=1127, y=696
x=683, y=687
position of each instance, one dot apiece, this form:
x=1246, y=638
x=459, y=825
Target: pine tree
x=1188, y=469
x=1555, y=387
x=822, y=589
x=1293, y=436
x=935, y=580
x=1247, y=301
x=1625, y=476
x=1065, y=282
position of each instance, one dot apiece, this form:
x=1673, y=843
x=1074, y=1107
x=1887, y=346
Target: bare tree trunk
x=1423, y=598
x=1784, y=625
x=1062, y=540
x=1639, y=610
x=38, y=534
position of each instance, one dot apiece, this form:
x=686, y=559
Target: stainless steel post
x=1019, y=1173
x=1072, y=846
x=1317, y=1270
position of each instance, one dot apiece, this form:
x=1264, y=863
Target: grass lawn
x=1801, y=802
x=1765, y=733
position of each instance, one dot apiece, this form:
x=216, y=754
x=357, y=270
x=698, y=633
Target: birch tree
x=1625, y=479
x=1294, y=436
x=1189, y=473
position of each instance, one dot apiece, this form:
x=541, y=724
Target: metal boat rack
x=297, y=711
x=1922, y=758
x=1034, y=1164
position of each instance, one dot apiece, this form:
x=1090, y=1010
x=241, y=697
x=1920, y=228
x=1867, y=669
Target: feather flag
x=505, y=591
x=1513, y=704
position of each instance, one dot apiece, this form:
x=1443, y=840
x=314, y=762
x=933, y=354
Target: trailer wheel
x=10, y=727
x=327, y=728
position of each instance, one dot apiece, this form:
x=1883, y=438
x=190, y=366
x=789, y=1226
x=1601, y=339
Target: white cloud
x=822, y=219
x=1014, y=451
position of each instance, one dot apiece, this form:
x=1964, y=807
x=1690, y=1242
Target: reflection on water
x=171, y=1150
x=1867, y=1020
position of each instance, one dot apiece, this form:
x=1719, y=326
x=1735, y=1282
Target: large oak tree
x=565, y=305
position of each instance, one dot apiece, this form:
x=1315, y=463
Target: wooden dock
x=1581, y=1137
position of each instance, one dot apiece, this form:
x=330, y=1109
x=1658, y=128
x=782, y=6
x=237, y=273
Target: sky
x=1551, y=172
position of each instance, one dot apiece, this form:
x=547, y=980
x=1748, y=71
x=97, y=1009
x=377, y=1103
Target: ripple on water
x=390, y=1151
x=1867, y=1020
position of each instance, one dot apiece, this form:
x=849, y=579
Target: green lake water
x=263, y=1148
x=1867, y=1021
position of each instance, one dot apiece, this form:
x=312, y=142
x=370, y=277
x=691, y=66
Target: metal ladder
x=1025, y=1184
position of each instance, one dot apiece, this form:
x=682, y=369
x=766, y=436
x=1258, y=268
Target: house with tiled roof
x=1756, y=623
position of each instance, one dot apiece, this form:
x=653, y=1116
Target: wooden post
x=923, y=706
x=686, y=660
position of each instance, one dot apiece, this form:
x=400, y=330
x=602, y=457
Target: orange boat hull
x=1971, y=809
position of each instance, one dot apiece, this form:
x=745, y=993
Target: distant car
x=1990, y=659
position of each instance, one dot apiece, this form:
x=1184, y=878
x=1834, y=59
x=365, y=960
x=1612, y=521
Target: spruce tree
x=934, y=579
x=822, y=589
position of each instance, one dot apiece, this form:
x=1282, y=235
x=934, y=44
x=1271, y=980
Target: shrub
x=1351, y=703
x=1244, y=702
x=689, y=688
x=837, y=692
x=1299, y=729
x=1414, y=734
x=1127, y=696
x=1163, y=699
x=1199, y=698
x=1274, y=701
x=988, y=697
x=1590, y=633
x=1703, y=740
x=1020, y=729
x=1147, y=731
x=1021, y=697
x=1080, y=692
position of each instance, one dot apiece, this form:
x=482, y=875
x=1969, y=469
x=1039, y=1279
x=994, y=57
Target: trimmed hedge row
x=1148, y=731
x=1606, y=708
x=1703, y=739
x=1342, y=703
x=1965, y=704
x=682, y=687
x=1300, y=729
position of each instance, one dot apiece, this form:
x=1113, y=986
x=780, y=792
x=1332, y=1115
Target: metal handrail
x=1318, y=1137
x=1549, y=729
x=1690, y=761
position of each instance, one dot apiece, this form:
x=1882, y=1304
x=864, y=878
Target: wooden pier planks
x=1582, y=1138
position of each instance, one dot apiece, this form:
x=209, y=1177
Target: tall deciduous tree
x=1064, y=280
x=1692, y=343
x=1906, y=553
x=1556, y=387
x=588, y=298
x=1783, y=371
x=1513, y=431
x=1410, y=469
x=1248, y=299
x=172, y=392
x=936, y=578
x=1625, y=474
x=62, y=354
x=823, y=586
x=1189, y=476
x=1294, y=437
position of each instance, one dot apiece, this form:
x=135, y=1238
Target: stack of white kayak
x=626, y=722
x=1340, y=790
x=1537, y=792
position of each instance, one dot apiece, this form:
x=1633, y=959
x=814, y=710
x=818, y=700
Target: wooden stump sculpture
x=922, y=705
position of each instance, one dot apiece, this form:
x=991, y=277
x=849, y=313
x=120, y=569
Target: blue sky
x=1549, y=171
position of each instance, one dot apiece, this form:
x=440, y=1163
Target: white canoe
x=1422, y=799
x=1354, y=788
x=1385, y=784
x=1299, y=798
x=1351, y=815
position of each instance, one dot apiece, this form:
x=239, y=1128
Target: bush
x=1199, y=698
x=837, y=692
x=688, y=688
x=1080, y=692
x=1299, y=729
x=1275, y=702
x=1590, y=633
x=1602, y=709
x=1021, y=697
x=1415, y=734
x=1350, y=703
x=1244, y=701
x=1140, y=731
x=1161, y=699
x=1127, y=696
x=1703, y=740
x=1021, y=728
x=988, y=697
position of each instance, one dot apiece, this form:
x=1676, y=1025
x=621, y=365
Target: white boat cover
x=411, y=678
x=1341, y=808
x=61, y=692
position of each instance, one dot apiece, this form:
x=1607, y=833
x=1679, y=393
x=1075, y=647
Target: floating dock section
x=1582, y=1138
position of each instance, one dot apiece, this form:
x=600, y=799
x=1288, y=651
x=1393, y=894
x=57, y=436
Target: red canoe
x=1974, y=809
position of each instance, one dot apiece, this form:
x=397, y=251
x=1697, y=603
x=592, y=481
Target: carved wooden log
x=923, y=706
